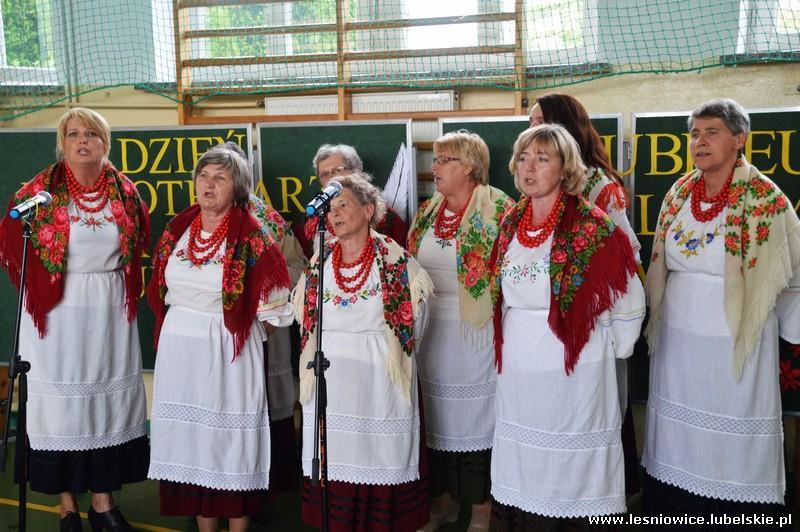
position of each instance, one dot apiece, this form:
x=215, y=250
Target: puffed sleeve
x=625, y=318
x=277, y=309
x=620, y=218
x=788, y=310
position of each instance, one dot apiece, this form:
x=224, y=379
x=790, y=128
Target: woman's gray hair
x=351, y=159
x=230, y=159
x=729, y=111
x=365, y=193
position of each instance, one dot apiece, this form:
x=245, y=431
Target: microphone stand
x=319, y=464
x=19, y=368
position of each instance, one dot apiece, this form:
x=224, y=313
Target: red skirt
x=372, y=508
x=188, y=499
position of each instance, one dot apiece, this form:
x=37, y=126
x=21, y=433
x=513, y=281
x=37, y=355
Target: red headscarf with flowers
x=253, y=266
x=591, y=261
x=44, y=281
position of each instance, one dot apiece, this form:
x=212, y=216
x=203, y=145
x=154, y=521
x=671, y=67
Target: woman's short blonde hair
x=365, y=193
x=554, y=140
x=91, y=119
x=471, y=151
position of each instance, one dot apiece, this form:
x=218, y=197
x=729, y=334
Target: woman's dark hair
x=566, y=110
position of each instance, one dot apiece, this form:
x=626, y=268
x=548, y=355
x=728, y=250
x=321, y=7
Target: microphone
x=22, y=210
x=323, y=198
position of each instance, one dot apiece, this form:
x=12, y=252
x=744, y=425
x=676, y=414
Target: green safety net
x=54, y=50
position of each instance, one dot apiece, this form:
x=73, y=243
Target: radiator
x=373, y=102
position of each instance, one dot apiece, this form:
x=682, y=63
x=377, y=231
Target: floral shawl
x=44, y=282
x=474, y=240
x=591, y=261
x=281, y=232
x=762, y=247
x=252, y=268
x=405, y=287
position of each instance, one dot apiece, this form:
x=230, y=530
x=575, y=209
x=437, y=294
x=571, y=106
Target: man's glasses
x=339, y=170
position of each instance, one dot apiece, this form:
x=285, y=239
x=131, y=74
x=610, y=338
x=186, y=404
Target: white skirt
x=210, y=421
x=458, y=380
x=85, y=388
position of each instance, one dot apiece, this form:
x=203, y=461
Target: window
x=26, y=43
x=768, y=26
x=560, y=31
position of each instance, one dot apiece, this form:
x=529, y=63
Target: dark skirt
x=284, y=467
x=373, y=508
x=630, y=454
x=187, y=499
x=97, y=470
x=368, y=508
x=660, y=499
x=465, y=476
x=510, y=519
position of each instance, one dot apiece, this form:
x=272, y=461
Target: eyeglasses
x=339, y=170
x=444, y=159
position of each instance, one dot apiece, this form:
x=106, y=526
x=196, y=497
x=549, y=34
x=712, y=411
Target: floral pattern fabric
x=252, y=267
x=397, y=308
x=50, y=227
x=761, y=244
x=475, y=238
x=590, y=263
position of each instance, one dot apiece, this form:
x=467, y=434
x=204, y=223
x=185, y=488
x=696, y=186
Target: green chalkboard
x=499, y=133
x=159, y=160
x=661, y=155
x=286, y=152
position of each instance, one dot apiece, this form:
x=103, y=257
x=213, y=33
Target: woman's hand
x=268, y=328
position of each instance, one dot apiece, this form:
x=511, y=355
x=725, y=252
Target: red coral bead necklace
x=353, y=283
x=201, y=250
x=82, y=196
x=446, y=225
x=525, y=226
x=718, y=202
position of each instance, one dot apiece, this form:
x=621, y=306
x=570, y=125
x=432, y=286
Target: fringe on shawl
x=781, y=269
x=606, y=280
x=398, y=365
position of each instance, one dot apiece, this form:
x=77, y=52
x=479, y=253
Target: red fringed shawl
x=590, y=264
x=47, y=253
x=253, y=266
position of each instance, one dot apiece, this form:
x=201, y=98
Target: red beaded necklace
x=81, y=195
x=718, y=202
x=446, y=226
x=352, y=284
x=526, y=226
x=201, y=250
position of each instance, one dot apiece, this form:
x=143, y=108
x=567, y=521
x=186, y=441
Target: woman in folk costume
x=374, y=297
x=604, y=188
x=80, y=332
x=568, y=304
x=723, y=284
x=452, y=237
x=335, y=160
x=219, y=286
x=281, y=391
